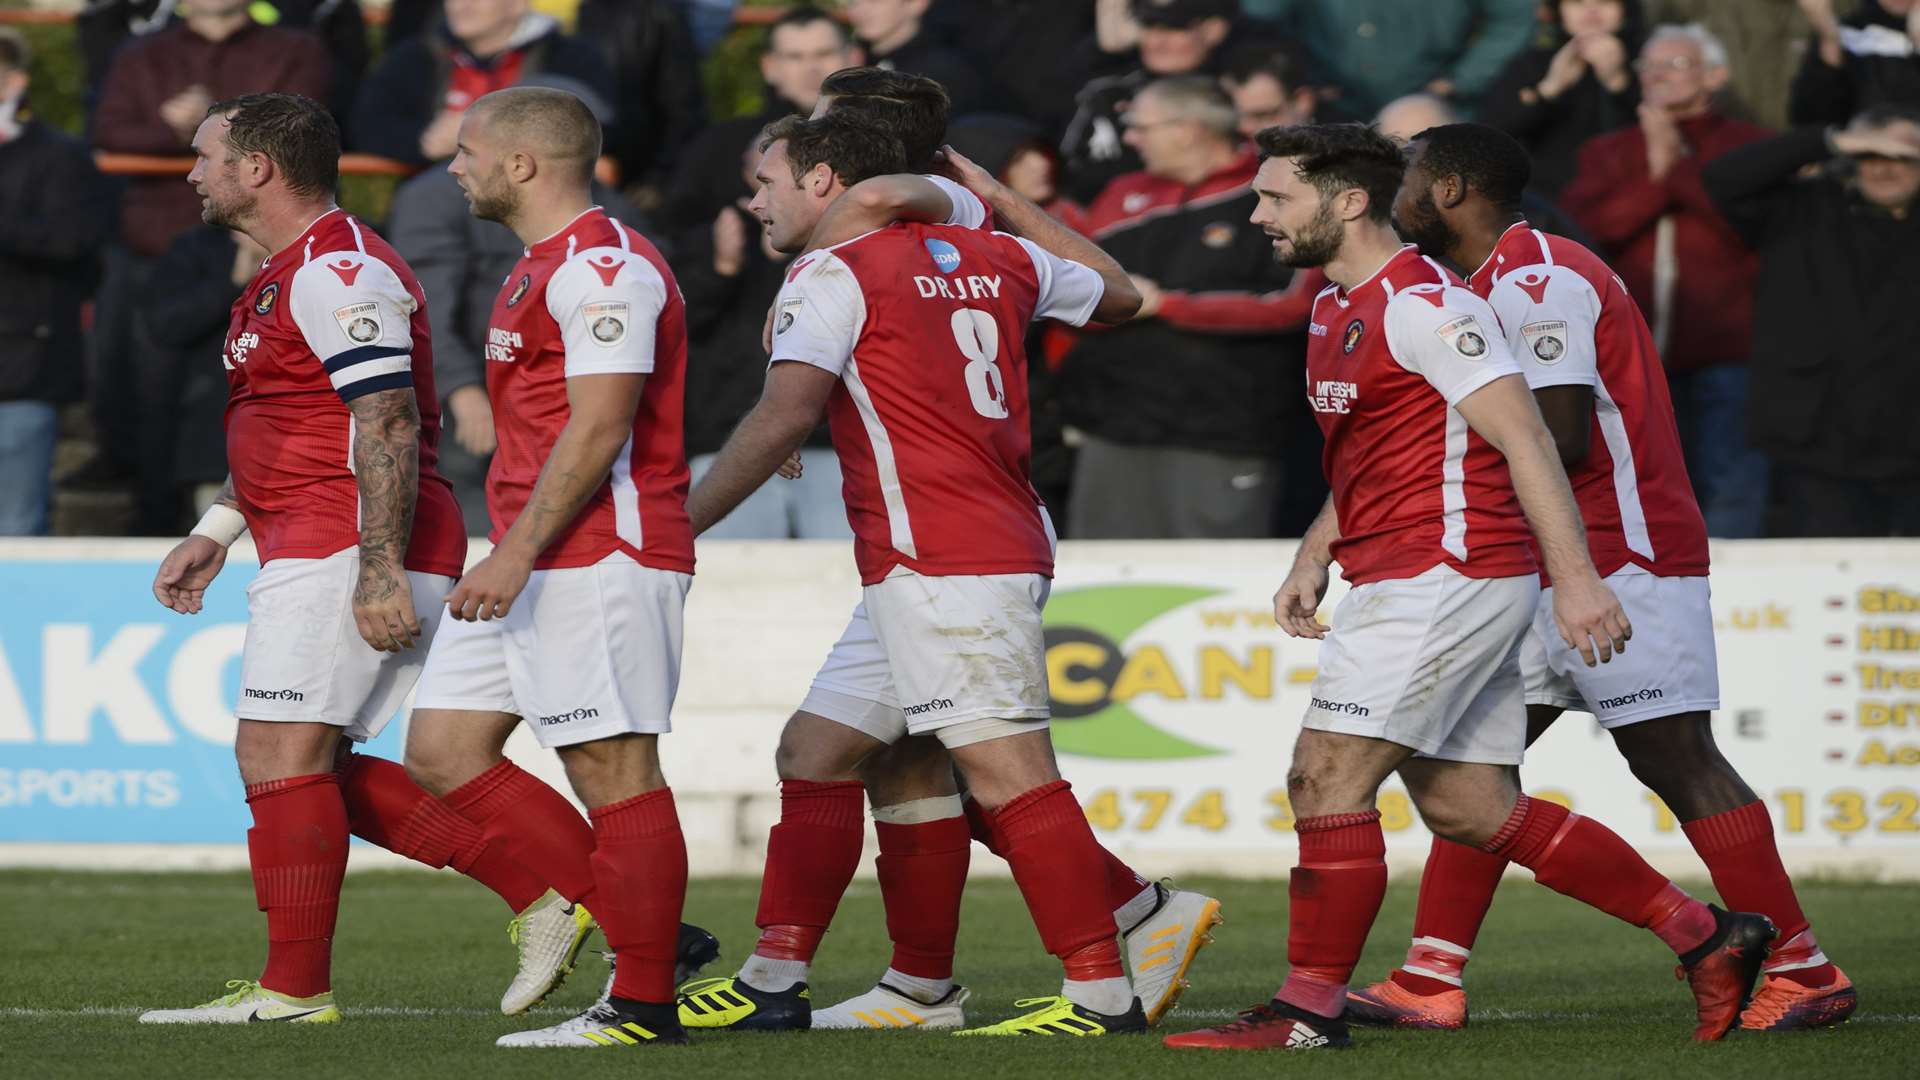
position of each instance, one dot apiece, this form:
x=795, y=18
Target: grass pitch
x=421, y=960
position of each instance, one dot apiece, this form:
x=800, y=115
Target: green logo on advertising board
x=1092, y=678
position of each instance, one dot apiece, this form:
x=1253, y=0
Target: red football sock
x=1046, y=840
x=1739, y=850
x=385, y=807
x=811, y=856
x=533, y=824
x=1456, y=889
x=1581, y=858
x=640, y=884
x=1122, y=882
x=923, y=871
x=1333, y=896
x=298, y=848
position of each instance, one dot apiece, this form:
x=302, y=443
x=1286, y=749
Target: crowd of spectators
x=1750, y=169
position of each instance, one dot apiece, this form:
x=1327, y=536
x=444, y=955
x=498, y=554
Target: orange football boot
x=1388, y=1004
x=1785, y=1005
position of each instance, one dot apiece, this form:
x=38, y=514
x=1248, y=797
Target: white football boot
x=549, y=936
x=1161, y=947
x=885, y=1009
x=602, y=1026
x=249, y=1002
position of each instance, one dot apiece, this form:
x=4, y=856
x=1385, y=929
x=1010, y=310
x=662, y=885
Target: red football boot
x=1388, y=1004
x=1721, y=971
x=1274, y=1025
x=1785, y=1005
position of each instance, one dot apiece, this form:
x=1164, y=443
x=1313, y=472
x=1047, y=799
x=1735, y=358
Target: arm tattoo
x=227, y=498
x=386, y=466
x=574, y=471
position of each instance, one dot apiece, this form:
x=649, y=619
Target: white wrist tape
x=221, y=524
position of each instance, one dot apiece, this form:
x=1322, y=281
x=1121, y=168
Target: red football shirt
x=595, y=298
x=333, y=316
x=925, y=326
x=1413, y=484
x=1570, y=321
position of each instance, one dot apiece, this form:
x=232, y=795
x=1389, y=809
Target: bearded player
x=1590, y=360
x=910, y=338
x=1439, y=463
x=923, y=822
x=572, y=624
x=332, y=432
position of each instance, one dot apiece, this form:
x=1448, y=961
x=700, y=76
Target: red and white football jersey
x=1570, y=321
x=595, y=298
x=925, y=326
x=1413, y=484
x=333, y=316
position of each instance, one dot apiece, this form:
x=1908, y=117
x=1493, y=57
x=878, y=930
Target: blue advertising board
x=116, y=714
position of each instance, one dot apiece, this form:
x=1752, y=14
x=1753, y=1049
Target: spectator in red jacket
x=156, y=93
x=1637, y=192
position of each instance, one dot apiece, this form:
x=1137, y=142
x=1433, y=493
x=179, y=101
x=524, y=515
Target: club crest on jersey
x=607, y=322
x=1217, y=235
x=520, y=289
x=1547, y=339
x=1462, y=335
x=946, y=257
x=263, y=303
x=1351, y=338
x=360, y=322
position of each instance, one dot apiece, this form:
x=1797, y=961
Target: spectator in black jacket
x=894, y=35
x=1556, y=96
x=1019, y=46
x=410, y=106
x=647, y=46
x=730, y=277
x=1868, y=58
x=52, y=226
x=1834, y=373
x=1175, y=37
x=802, y=48
x=205, y=269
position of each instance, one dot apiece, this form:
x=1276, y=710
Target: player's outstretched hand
x=791, y=468
x=1591, y=619
x=383, y=607
x=1296, y=606
x=181, y=582
x=489, y=589
x=971, y=176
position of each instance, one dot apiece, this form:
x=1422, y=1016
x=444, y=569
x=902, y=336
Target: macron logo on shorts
x=1631, y=699
x=1351, y=708
x=273, y=695
x=568, y=717
x=926, y=707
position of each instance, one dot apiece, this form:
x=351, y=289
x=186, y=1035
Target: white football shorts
x=586, y=652
x=305, y=660
x=1669, y=667
x=960, y=657
x=1430, y=662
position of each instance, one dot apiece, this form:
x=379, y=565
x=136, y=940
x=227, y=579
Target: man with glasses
x=1637, y=193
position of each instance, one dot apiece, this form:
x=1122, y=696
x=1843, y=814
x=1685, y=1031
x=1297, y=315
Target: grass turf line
x=421, y=960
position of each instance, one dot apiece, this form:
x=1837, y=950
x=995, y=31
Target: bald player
x=572, y=624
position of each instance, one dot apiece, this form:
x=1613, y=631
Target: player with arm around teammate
x=1589, y=357
x=909, y=338
x=1439, y=465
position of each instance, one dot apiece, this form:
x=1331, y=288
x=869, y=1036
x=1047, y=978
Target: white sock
x=773, y=976
x=1128, y=916
x=1113, y=997
x=924, y=991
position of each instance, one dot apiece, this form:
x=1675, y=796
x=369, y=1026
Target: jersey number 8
x=979, y=339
